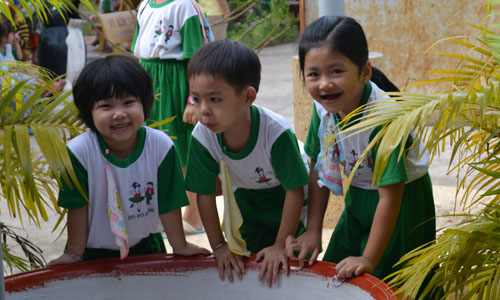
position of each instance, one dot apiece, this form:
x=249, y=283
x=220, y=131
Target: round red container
x=158, y=263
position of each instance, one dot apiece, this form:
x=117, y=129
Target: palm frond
x=27, y=182
x=465, y=261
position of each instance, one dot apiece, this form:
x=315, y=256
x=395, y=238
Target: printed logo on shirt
x=355, y=158
x=263, y=176
x=160, y=30
x=141, y=199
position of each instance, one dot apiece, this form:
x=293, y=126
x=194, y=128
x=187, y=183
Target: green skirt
x=416, y=225
x=171, y=85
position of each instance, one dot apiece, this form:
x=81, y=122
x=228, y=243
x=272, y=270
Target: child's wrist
x=219, y=245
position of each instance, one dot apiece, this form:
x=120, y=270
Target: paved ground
x=275, y=93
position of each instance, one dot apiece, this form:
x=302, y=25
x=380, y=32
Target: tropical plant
x=464, y=260
x=31, y=168
x=261, y=23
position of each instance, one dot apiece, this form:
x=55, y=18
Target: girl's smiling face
x=334, y=80
x=118, y=120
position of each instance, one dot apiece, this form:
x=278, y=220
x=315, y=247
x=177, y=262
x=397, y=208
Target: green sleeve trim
x=171, y=188
x=312, y=145
x=395, y=171
x=70, y=197
x=192, y=37
x=287, y=161
x=14, y=52
x=202, y=169
x=136, y=34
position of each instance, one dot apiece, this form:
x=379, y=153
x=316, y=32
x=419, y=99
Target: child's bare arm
x=77, y=237
x=384, y=222
x=15, y=40
x=310, y=240
x=275, y=255
x=189, y=115
x=172, y=224
x=226, y=260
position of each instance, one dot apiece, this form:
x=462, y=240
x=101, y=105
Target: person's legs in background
x=218, y=30
x=191, y=216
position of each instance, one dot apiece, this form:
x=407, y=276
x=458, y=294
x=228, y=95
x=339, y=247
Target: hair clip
x=335, y=280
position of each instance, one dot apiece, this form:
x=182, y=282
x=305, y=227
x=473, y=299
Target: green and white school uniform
x=9, y=53
x=166, y=37
x=261, y=173
x=415, y=225
x=149, y=183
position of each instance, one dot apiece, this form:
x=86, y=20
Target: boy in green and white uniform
x=266, y=168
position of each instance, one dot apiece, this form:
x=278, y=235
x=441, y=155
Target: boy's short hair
x=112, y=76
x=232, y=61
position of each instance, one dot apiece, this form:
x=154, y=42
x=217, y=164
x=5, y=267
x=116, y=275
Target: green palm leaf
x=465, y=260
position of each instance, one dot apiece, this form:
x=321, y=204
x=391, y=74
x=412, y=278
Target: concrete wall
x=402, y=29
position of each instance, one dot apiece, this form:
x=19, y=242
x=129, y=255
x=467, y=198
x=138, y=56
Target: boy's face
x=117, y=120
x=217, y=104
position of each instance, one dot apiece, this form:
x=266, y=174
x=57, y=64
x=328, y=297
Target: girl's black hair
x=114, y=76
x=5, y=27
x=232, y=61
x=343, y=35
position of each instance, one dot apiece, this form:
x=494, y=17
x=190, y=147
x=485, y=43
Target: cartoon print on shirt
x=361, y=165
x=158, y=30
x=262, y=175
x=150, y=191
x=169, y=33
x=354, y=161
x=137, y=198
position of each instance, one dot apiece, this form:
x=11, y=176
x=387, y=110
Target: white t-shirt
x=149, y=183
x=170, y=30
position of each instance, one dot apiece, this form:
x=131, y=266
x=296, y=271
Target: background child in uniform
x=261, y=153
x=10, y=47
x=379, y=223
x=167, y=34
x=114, y=96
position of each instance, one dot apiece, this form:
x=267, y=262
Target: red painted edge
x=166, y=262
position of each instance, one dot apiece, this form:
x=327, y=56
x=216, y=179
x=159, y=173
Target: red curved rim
x=171, y=263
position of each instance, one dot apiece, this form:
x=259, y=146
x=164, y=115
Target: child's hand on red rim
x=226, y=261
x=64, y=259
x=272, y=257
x=354, y=266
x=191, y=249
x=309, y=241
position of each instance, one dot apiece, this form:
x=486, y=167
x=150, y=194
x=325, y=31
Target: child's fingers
x=274, y=274
x=260, y=255
x=237, y=268
x=241, y=263
x=262, y=271
x=359, y=270
x=314, y=256
x=286, y=267
x=302, y=257
x=221, y=270
x=229, y=271
x=290, y=240
x=202, y=251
